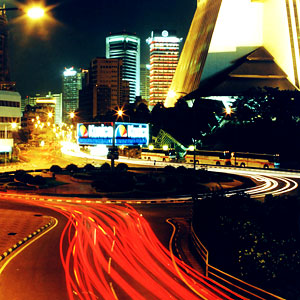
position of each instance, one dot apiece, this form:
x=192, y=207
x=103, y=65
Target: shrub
x=39, y=180
x=105, y=167
x=89, y=167
x=181, y=170
x=122, y=167
x=55, y=169
x=169, y=169
x=71, y=168
x=19, y=174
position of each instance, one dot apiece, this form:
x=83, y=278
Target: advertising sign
x=127, y=134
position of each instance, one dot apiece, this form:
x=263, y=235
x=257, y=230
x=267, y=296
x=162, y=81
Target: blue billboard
x=127, y=134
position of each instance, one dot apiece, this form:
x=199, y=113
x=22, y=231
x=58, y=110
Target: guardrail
x=231, y=282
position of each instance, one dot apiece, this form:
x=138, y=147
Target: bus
x=255, y=160
x=238, y=159
x=158, y=155
x=208, y=157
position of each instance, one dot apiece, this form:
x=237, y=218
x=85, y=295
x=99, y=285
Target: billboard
x=127, y=134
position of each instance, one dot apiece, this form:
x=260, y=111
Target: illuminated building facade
x=50, y=102
x=145, y=82
x=222, y=27
x=164, y=53
x=72, y=84
x=104, y=89
x=126, y=46
x=10, y=112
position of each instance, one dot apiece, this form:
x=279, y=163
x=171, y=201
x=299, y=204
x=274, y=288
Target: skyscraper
x=72, y=84
x=5, y=83
x=104, y=89
x=227, y=26
x=126, y=46
x=145, y=82
x=164, y=53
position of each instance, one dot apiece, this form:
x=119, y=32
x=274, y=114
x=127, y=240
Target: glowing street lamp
x=35, y=12
x=120, y=113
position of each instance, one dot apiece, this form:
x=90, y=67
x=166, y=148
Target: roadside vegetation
x=258, y=242
x=136, y=182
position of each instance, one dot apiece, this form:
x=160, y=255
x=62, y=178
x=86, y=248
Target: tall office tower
x=145, y=82
x=126, y=46
x=72, y=84
x=164, y=53
x=5, y=83
x=227, y=27
x=104, y=89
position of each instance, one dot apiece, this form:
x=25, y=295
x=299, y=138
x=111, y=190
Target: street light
x=33, y=12
x=120, y=113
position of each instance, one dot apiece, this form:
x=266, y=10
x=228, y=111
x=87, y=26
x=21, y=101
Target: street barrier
x=231, y=282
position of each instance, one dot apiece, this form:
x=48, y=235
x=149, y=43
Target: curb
x=26, y=239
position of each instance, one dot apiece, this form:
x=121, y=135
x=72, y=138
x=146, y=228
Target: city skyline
x=38, y=58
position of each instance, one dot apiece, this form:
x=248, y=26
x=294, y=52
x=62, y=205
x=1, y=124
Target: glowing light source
x=72, y=115
x=192, y=148
x=165, y=147
x=151, y=147
x=120, y=113
x=228, y=110
x=35, y=12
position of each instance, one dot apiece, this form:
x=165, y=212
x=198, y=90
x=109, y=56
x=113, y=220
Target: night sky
x=76, y=34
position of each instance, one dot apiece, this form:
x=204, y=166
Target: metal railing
x=231, y=282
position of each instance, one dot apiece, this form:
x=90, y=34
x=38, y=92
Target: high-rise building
x=145, y=82
x=229, y=30
x=50, y=102
x=72, y=84
x=126, y=46
x=164, y=54
x=104, y=89
x=5, y=83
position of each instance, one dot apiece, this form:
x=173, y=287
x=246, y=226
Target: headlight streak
x=127, y=255
x=109, y=251
x=271, y=181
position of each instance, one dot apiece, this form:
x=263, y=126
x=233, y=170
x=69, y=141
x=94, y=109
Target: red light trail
x=114, y=254
x=110, y=252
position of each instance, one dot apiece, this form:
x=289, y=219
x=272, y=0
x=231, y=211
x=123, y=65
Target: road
x=107, y=250
x=34, y=271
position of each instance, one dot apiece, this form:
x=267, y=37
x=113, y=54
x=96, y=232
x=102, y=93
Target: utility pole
x=113, y=148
